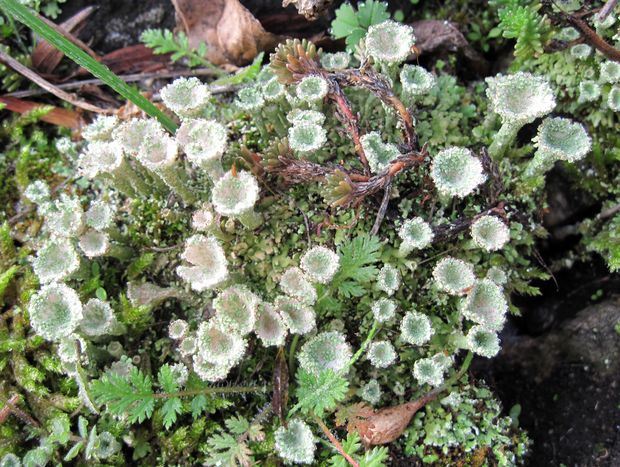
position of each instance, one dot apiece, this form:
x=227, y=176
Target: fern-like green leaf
x=319, y=394
x=166, y=379
x=164, y=41
x=131, y=396
x=171, y=408
x=228, y=452
x=237, y=425
x=376, y=457
x=357, y=265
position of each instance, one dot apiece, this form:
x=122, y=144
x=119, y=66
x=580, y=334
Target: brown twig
x=35, y=78
x=606, y=10
x=130, y=79
x=335, y=442
x=11, y=408
x=610, y=212
x=298, y=171
x=382, y=209
x=592, y=38
x=370, y=80
x=70, y=37
x=350, y=120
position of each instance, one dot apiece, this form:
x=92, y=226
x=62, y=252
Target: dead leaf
x=433, y=35
x=385, y=425
x=135, y=59
x=311, y=9
x=57, y=116
x=46, y=57
x=231, y=32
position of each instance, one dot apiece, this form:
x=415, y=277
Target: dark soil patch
x=119, y=23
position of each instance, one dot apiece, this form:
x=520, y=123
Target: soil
x=566, y=381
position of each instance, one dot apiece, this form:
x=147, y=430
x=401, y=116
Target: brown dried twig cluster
x=345, y=187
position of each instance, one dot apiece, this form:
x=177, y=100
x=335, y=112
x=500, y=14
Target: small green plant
x=352, y=24
x=164, y=41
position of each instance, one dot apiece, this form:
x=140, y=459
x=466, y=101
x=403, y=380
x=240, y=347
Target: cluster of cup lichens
x=139, y=158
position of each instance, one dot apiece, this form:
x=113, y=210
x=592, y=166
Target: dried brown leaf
x=385, y=425
x=46, y=57
x=57, y=116
x=231, y=32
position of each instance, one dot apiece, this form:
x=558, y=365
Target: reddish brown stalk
x=11, y=408
x=593, y=39
x=296, y=171
x=350, y=120
x=335, y=442
x=371, y=81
